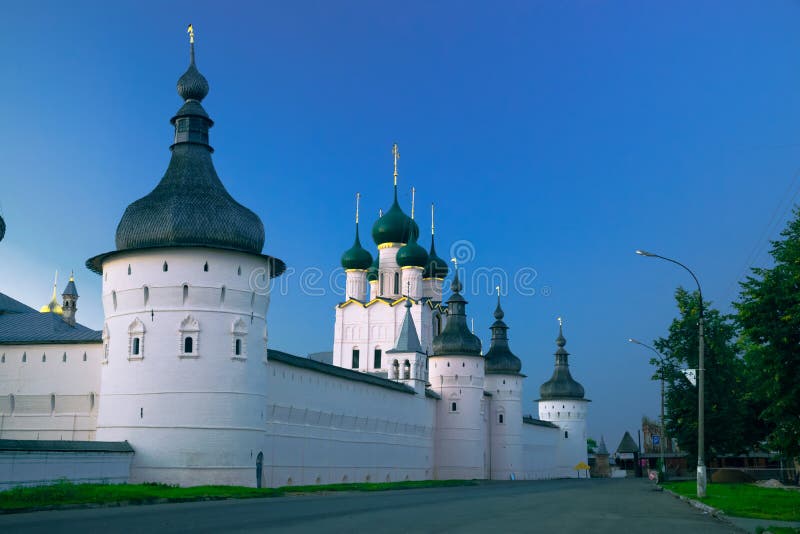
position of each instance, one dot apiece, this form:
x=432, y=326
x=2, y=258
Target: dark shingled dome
x=500, y=360
x=456, y=339
x=561, y=385
x=436, y=267
x=190, y=206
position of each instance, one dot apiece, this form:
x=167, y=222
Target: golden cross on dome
x=190, y=31
x=396, y=154
x=455, y=262
x=498, y=291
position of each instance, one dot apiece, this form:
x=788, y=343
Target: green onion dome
x=356, y=257
x=372, y=272
x=412, y=255
x=395, y=226
x=436, y=266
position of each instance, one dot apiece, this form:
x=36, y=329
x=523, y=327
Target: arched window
x=190, y=337
x=64, y=357
x=395, y=369
x=222, y=296
x=566, y=434
x=44, y=358
x=129, y=269
x=500, y=418
x=146, y=292
x=24, y=357
x=84, y=356
x=396, y=283
x=381, y=291
x=355, y=362
x=205, y=267
x=453, y=407
x=165, y=267
x=239, y=270
x=114, y=299
x=406, y=370
x=135, y=341
x=239, y=331
x=3, y=358
x=185, y=292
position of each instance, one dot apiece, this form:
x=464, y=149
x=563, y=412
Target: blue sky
x=554, y=137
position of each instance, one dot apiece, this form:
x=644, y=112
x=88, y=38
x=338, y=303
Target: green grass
x=777, y=530
x=66, y=493
x=745, y=500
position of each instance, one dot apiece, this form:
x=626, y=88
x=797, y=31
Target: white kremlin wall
x=49, y=392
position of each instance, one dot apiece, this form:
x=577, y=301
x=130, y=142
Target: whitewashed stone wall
x=49, y=391
x=34, y=468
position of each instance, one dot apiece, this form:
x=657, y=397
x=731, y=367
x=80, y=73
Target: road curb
x=710, y=510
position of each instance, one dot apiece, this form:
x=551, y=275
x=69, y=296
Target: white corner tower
x=504, y=383
x=456, y=371
x=185, y=296
x=562, y=403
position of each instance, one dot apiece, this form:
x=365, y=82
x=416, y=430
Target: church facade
x=181, y=370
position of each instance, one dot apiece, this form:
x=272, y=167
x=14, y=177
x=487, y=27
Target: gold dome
x=53, y=306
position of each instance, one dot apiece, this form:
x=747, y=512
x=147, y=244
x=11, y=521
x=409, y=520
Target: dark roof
x=499, y=359
x=190, y=206
x=70, y=289
x=46, y=328
x=627, y=444
x=530, y=420
x=394, y=226
x=64, y=446
x=341, y=372
x=408, y=340
x=356, y=257
x=432, y=394
x=601, y=448
x=436, y=267
x=9, y=305
x=561, y=385
x=455, y=338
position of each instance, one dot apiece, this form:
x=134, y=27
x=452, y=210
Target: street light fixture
x=661, y=368
x=701, y=462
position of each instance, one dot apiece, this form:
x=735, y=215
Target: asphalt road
x=594, y=505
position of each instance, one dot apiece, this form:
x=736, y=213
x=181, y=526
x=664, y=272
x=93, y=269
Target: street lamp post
x=661, y=373
x=701, y=462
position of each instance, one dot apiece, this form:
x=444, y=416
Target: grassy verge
x=66, y=493
x=745, y=500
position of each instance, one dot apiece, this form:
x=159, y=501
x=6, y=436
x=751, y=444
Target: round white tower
x=185, y=297
x=456, y=373
x=504, y=383
x=562, y=403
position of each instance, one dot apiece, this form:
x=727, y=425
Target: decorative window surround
x=189, y=328
x=239, y=331
x=135, y=331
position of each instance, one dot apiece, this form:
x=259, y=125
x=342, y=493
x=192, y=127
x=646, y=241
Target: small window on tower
x=205, y=267
x=238, y=347
x=165, y=267
x=188, y=345
x=396, y=283
x=566, y=434
x=135, y=349
x=355, y=362
x=453, y=407
x=500, y=419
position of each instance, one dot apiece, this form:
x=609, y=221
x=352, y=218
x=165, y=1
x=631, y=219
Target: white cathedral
x=180, y=377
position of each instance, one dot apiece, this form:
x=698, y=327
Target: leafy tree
x=591, y=446
x=729, y=427
x=769, y=315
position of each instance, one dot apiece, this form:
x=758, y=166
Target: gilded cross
x=396, y=154
x=190, y=31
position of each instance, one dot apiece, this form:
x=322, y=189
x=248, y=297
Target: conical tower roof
x=407, y=340
x=190, y=206
x=499, y=358
x=561, y=385
x=456, y=338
